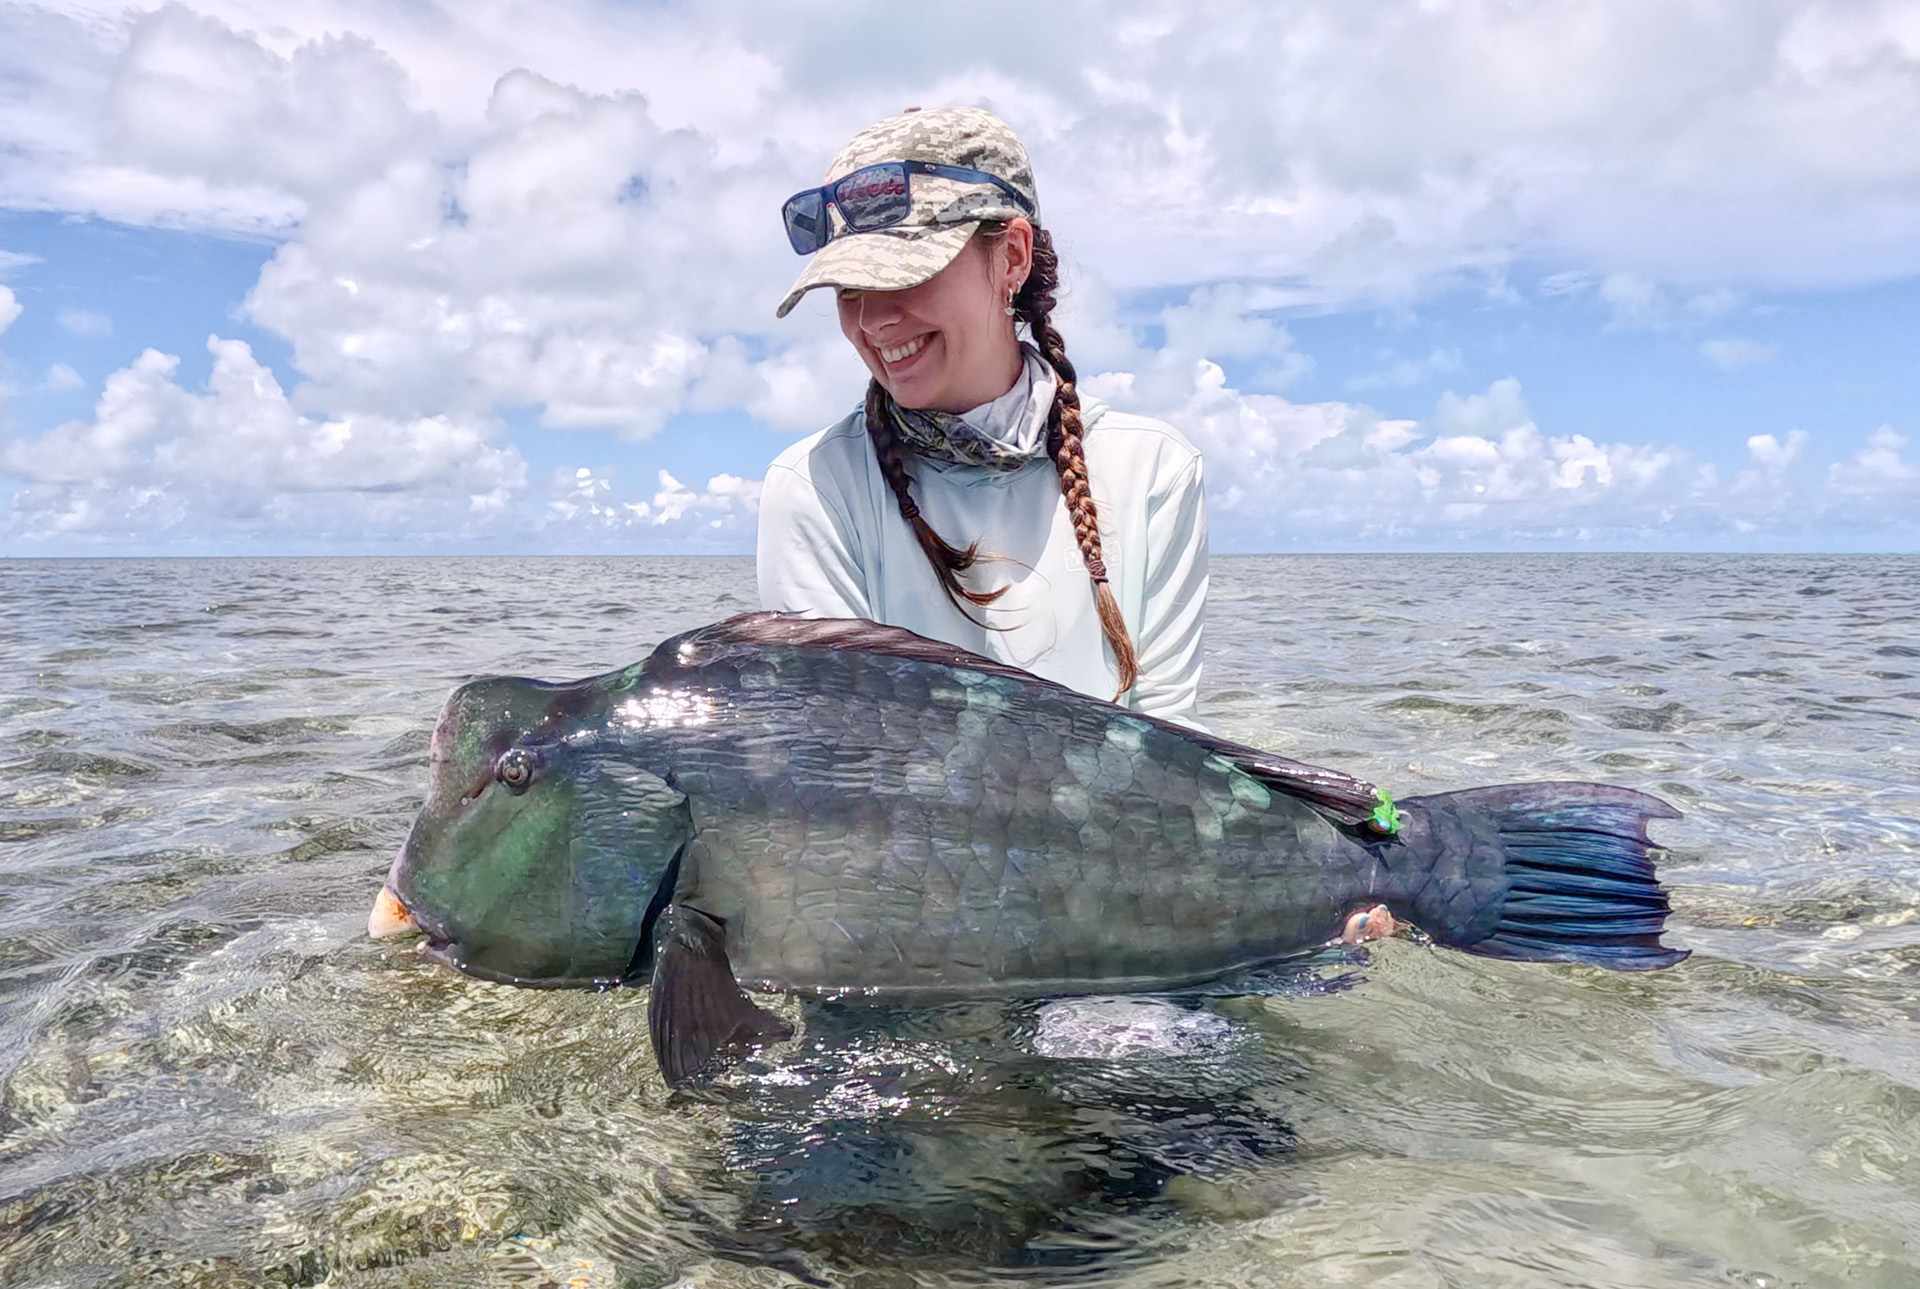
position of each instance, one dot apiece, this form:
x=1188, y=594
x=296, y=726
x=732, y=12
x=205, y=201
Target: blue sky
x=362, y=277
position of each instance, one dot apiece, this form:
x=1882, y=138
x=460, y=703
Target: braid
x=1034, y=306
x=948, y=560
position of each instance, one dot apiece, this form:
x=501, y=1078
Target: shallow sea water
x=209, y=1076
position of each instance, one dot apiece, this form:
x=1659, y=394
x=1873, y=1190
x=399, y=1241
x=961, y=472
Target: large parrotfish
x=824, y=806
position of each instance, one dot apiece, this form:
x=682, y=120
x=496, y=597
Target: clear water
x=208, y=1076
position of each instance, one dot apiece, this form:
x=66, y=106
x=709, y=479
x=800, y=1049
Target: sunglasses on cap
x=872, y=197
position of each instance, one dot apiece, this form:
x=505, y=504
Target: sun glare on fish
x=668, y=709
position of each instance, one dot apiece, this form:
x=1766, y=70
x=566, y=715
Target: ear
x=1015, y=254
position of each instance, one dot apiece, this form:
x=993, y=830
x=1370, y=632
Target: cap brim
x=891, y=259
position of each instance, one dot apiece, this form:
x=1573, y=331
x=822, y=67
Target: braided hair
x=1033, y=306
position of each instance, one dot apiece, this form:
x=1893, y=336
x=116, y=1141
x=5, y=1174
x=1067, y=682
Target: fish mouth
x=389, y=917
x=441, y=951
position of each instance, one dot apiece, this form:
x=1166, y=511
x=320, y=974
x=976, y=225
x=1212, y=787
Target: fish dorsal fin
x=1347, y=799
x=789, y=630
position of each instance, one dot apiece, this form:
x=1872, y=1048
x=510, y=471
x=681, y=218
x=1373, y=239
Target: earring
x=1011, y=292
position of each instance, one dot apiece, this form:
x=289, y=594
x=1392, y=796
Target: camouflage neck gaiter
x=1002, y=435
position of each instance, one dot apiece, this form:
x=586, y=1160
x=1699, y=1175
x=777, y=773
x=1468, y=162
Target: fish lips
x=392, y=916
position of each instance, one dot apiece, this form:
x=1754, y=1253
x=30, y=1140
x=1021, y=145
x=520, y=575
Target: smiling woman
x=977, y=497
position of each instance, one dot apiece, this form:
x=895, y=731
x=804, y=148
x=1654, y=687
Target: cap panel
x=944, y=213
x=950, y=136
x=892, y=259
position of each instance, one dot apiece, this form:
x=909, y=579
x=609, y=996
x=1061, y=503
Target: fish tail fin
x=1535, y=872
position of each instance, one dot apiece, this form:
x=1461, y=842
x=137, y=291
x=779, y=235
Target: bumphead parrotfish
x=837, y=807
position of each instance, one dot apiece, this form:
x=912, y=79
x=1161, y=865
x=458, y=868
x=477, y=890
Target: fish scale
x=837, y=807
x=1166, y=850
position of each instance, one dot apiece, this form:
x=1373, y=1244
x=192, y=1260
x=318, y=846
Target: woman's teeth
x=907, y=350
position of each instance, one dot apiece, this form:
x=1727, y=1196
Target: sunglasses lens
x=806, y=216
x=875, y=197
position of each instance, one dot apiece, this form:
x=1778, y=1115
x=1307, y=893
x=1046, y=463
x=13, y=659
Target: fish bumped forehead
x=484, y=717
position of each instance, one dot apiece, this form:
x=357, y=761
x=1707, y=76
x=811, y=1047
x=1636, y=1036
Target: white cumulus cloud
x=1879, y=469
x=589, y=508
x=238, y=459
x=1351, y=149
x=1336, y=474
x=156, y=455
x=581, y=259
x=569, y=208
x=194, y=99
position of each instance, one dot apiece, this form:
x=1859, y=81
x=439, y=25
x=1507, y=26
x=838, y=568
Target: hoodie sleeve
x=1175, y=602
x=807, y=557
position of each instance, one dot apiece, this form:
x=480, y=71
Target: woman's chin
x=914, y=391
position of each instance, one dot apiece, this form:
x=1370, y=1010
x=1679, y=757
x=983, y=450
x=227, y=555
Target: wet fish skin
x=935, y=833
x=833, y=807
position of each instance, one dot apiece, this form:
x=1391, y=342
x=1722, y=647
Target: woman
x=977, y=498
x=1084, y=529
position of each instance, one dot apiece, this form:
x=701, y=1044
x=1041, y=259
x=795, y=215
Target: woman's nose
x=874, y=310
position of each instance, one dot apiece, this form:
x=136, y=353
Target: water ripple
x=209, y=1077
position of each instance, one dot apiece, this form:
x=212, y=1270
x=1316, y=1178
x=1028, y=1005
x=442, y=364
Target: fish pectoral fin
x=697, y=1011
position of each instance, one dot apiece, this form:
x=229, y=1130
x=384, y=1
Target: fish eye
x=515, y=769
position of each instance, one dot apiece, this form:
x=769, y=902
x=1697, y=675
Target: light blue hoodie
x=832, y=544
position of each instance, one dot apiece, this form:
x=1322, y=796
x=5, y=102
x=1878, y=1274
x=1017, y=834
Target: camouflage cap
x=945, y=212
